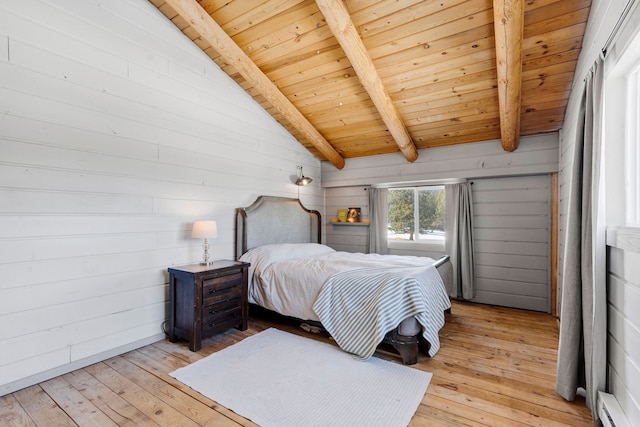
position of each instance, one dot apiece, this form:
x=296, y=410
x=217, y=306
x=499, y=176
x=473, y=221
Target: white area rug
x=275, y=378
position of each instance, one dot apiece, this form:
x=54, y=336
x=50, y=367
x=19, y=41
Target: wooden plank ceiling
x=363, y=77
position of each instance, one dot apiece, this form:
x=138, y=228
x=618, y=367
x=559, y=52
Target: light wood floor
x=496, y=367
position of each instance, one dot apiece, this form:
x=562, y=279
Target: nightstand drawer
x=211, y=285
x=222, y=306
x=221, y=320
x=213, y=294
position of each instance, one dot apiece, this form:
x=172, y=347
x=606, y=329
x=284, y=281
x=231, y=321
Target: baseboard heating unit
x=610, y=412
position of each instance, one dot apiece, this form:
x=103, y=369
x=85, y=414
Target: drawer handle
x=224, y=289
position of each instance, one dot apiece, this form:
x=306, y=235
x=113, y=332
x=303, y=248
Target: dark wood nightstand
x=207, y=299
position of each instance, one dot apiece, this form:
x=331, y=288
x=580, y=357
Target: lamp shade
x=204, y=229
x=302, y=180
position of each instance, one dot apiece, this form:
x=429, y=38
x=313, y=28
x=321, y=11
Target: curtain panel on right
x=459, y=238
x=582, y=349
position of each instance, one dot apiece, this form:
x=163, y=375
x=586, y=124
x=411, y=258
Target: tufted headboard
x=275, y=220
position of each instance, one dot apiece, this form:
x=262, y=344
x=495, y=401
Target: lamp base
x=206, y=260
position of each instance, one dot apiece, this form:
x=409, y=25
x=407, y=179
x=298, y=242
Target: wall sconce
x=205, y=230
x=302, y=180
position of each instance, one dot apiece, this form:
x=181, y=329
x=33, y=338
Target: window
x=632, y=147
x=622, y=134
x=416, y=214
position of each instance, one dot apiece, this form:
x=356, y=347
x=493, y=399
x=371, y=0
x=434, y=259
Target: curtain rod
x=616, y=27
x=421, y=183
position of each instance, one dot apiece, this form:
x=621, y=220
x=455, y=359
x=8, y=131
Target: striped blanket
x=359, y=307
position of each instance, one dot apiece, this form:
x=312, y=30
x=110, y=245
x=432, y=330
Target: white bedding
x=287, y=278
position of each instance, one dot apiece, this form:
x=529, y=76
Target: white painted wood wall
x=536, y=155
x=512, y=210
x=623, y=295
x=116, y=133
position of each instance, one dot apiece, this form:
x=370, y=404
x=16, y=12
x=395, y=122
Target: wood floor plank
x=495, y=367
x=504, y=360
x=156, y=361
x=12, y=414
x=522, y=388
x=41, y=408
x=546, y=339
x=146, y=402
x=521, y=397
x=467, y=411
x=490, y=366
x=502, y=340
x=178, y=351
x=107, y=401
x=428, y=415
x=184, y=403
x=80, y=409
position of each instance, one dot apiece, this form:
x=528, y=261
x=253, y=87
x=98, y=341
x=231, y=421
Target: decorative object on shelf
x=342, y=215
x=302, y=180
x=353, y=215
x=205, y=230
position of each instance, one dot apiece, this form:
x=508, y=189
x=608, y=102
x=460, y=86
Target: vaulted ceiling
x=351, y=78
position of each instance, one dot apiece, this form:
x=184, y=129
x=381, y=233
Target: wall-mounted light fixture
x=205, y=230
x=302, y=180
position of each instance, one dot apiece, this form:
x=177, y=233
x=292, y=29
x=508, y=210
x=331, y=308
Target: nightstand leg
x=172, y=309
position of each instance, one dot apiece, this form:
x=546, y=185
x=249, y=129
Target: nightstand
x=207, y=299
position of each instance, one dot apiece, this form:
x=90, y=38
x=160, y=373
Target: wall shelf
x=351, y=224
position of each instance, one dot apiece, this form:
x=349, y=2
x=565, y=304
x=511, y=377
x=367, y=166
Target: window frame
x=621, y=147
x=632, y=151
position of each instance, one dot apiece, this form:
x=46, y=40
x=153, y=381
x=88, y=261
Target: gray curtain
x=459, y=238
x=582, y=348
x=378, y=220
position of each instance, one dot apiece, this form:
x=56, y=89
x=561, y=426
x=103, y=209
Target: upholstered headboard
x=275, y=220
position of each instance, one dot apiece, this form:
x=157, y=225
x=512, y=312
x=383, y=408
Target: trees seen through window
x=423, y=206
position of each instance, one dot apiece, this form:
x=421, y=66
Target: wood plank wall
x=536, y=155
x=512, y=232
x=116, y=133
x=623, y=327
x=346, y=237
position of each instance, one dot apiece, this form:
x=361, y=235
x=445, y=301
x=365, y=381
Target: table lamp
x=204, y=230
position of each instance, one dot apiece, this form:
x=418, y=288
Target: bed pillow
x=263, y=256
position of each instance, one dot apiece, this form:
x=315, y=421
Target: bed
x=361, y=300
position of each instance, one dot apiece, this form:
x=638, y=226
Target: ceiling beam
x=508, y=21
x=211, y=32
x=342, y=27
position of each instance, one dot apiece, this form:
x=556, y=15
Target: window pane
x=431, y=213
x=633, y=152
x=401, y=214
